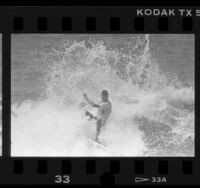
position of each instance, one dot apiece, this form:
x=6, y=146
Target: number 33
x=62, y=179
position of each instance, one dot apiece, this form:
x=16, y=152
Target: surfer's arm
x=90, y=102
x=90, y=115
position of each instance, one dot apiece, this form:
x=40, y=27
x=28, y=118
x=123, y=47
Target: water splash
x=153, y=113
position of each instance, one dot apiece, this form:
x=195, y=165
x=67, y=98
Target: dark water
x=175, y=54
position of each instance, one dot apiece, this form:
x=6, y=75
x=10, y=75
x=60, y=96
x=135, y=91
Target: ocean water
x=150, y=79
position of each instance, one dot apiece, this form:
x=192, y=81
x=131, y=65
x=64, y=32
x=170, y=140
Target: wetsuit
x=104, y=111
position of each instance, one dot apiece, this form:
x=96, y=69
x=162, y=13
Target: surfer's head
x=104, y=95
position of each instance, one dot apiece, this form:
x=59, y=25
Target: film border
x=33, y=170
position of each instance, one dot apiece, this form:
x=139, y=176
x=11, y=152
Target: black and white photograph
x=102, y=95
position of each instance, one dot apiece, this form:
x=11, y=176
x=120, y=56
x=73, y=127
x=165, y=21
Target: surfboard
x=95, y=143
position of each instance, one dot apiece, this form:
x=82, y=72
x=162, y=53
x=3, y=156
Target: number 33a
x=62, y=179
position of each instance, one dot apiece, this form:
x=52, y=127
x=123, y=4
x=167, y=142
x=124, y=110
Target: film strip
x=26, y=157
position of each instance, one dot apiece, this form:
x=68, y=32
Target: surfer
x=104, y=111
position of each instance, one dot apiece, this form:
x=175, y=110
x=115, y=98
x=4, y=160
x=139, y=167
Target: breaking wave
x=153, y=112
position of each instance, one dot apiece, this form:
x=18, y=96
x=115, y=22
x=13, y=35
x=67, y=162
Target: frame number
x=62, y=179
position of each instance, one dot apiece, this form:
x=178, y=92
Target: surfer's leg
x=98, y=130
